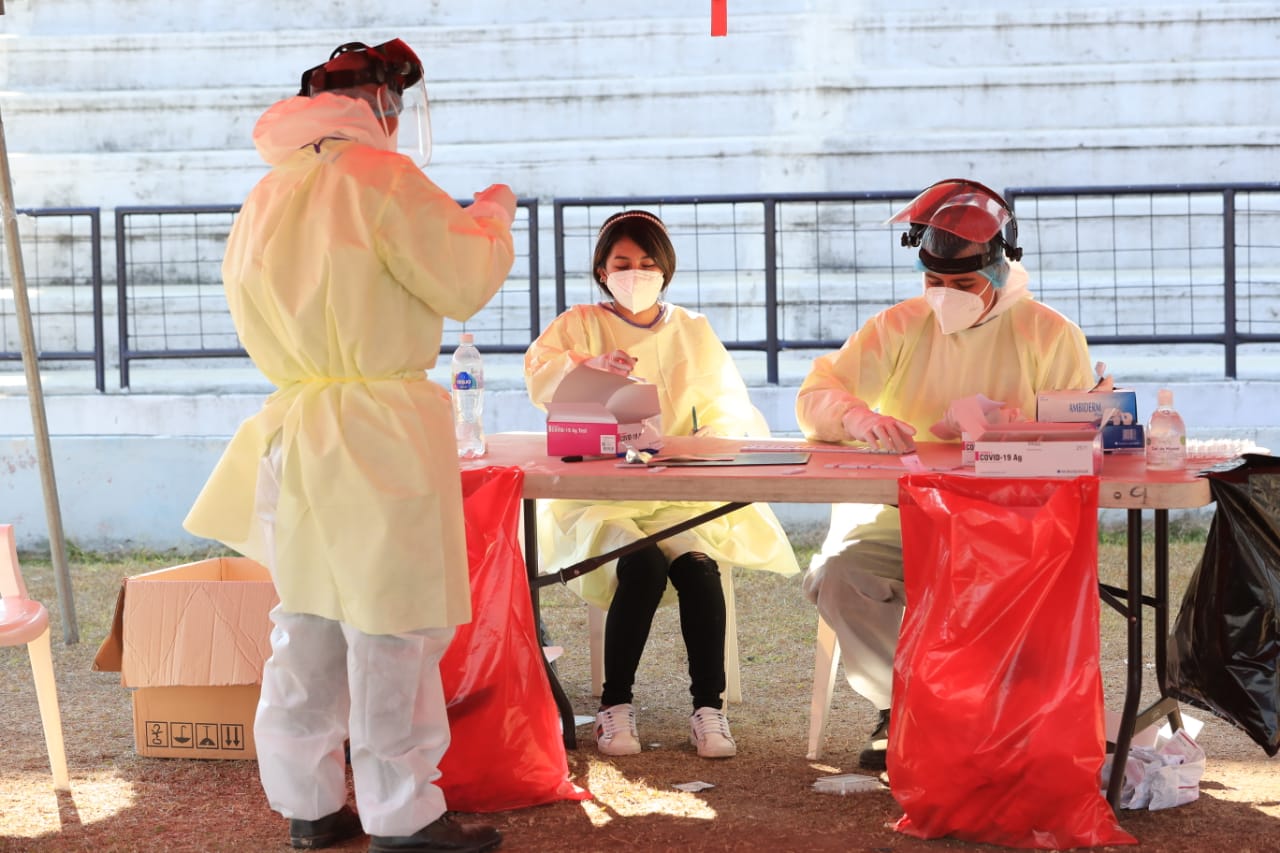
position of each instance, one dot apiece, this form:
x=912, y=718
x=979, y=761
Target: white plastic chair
x=732, y=675
x=826, y=656
x=23, y=621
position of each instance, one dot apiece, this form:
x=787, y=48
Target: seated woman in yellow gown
x=675, y=349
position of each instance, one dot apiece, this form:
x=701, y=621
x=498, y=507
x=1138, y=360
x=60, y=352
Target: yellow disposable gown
x=901, y=364
x=682, y=356
x=339, y=270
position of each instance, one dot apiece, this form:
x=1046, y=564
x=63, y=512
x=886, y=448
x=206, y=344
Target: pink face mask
x=635, y=290
x=954, y=309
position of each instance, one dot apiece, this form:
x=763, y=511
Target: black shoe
x=440, y=836
x=332, y=829
x=872, y=755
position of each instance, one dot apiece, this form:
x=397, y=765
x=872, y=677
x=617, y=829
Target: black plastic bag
x=1224, y=650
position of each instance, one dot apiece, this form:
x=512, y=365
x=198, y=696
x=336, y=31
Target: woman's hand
x=615, y=362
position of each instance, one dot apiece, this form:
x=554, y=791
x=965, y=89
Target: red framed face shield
x=392, y=63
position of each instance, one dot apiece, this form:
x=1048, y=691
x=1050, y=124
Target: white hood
x=1017, y=287
x=294, y=122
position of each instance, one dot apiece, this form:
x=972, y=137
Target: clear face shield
x=965, y=208
x=414, y=139
x=970, y=211
x=389, y=78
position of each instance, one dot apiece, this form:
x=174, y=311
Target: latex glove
x=969, y=413
x=615, y=362
x=880, y=431
x=1105, y=383
x=496, y=201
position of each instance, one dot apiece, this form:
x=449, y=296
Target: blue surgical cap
x=996, y=272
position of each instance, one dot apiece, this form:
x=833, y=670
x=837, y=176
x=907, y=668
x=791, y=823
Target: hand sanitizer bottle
x=1166, y=436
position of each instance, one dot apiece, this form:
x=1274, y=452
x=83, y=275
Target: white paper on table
x=969, y=414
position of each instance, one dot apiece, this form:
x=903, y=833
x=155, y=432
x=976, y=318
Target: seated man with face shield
x=339, y=271
x=974, y=338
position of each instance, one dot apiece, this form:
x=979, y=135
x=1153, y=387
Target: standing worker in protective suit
x=974, y=339
x=340, y=268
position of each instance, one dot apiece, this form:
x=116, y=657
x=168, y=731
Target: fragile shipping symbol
x=177, y=735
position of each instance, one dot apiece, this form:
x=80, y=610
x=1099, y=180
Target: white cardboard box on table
x=595, y=412
x=1038, y=450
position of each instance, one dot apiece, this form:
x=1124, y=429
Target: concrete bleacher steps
x=150, y=102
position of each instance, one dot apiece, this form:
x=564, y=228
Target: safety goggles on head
x=967, y=209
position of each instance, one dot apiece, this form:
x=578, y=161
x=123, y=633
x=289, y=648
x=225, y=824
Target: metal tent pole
x=35, y=394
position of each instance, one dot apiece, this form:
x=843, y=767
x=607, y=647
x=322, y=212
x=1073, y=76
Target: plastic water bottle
x=1166, y=435
x=468, y=398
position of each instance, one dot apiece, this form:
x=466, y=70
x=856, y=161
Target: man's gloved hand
x=614, y=362
x=880, y=431
x=496, y=201
x=978, y=409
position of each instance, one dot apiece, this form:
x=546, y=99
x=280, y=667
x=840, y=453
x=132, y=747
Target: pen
x=694, y=409
x=580, y=458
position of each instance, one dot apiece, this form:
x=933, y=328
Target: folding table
x=834, y=475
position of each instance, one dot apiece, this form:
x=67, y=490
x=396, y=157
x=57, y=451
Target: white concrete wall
x=128, y=467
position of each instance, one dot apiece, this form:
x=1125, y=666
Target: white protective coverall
x=901, y=364
x=681, y=355
x=339, y=270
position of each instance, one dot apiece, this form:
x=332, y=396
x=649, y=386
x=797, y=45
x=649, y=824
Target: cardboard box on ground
x=598, y=413
x=190, y=642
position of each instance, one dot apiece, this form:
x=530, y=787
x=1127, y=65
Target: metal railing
x=62, y=261
x=169, y=296
x=1165, y=265
x=172, y=304
x=1169, y=265
x=771, y=271
x=1178, y=264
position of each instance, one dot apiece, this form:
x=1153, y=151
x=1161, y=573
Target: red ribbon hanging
x=719, y=18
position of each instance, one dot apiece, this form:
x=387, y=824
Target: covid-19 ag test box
x=595, y=412
x=1037, y=450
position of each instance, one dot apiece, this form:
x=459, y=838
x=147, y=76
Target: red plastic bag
x=506, y=751
x=997, y=733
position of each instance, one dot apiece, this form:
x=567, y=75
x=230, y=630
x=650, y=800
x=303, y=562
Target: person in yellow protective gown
x=676, y=350
x=976, y=337
x=339, y=270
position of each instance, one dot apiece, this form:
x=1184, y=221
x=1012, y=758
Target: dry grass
x=761, y=800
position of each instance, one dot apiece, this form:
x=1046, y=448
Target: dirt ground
x=761, y=800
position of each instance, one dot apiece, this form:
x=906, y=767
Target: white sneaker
x=616, y=730
x=709, y=732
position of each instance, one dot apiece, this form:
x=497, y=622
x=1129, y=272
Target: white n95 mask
x=955, y=310
x=635, y=290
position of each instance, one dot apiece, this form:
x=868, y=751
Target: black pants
x=642, y=579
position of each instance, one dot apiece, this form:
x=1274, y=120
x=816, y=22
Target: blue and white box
x=1121, y=430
